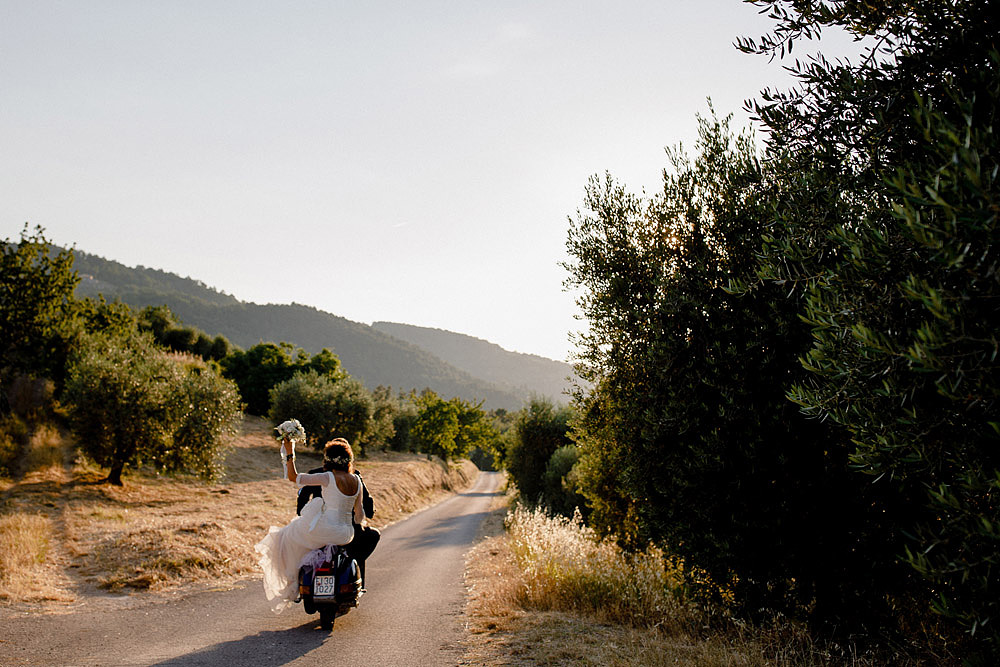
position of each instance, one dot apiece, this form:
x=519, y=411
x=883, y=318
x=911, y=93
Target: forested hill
x=516, y=372
x=373, y=357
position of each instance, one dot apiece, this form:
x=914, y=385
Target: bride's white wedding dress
x=326, y=519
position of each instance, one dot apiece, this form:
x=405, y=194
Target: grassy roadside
x=66, y=539
x=542, y=591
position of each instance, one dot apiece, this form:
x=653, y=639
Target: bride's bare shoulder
x=346, y=483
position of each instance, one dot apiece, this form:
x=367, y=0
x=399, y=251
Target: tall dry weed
x=46, y=448
x=567, y=568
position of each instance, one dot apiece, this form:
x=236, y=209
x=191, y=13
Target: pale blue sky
x=405, y=161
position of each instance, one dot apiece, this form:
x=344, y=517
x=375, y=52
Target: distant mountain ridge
x=513, y=371
x=373, y=356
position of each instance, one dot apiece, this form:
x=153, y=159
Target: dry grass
x=548, y=593
x=161, y=533
x=45, y=449
x=24, y=546
x=565, y=567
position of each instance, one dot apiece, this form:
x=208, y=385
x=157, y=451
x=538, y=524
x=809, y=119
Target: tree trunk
x=117, y=462
x=115, y=475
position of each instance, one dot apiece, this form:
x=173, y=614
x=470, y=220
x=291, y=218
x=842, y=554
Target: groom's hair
x=338, y=455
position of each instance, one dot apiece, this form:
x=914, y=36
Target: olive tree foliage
x=36, y=297
x=885, y=235
x=540, y=429
x=404, y=416
x=384, y=409
x=687, y=438
x=131, y=405
x=100, y=316
x=436, y=426
x=451, y=428
x=328, y=407
x=206, y=413
x=560, y=482
x=257, y=370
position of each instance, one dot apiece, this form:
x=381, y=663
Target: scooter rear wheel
x=326, y=618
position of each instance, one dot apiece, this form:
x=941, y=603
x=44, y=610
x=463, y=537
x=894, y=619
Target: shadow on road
x=269, y=647
x=480, y=494
x=454, y=531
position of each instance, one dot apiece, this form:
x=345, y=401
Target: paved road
x=411, y=615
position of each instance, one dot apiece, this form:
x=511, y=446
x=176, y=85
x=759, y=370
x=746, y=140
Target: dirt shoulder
x=67, y=540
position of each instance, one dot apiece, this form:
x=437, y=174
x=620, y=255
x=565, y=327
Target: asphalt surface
x=412, y=613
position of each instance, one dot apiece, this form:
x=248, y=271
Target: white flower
x=292, y=430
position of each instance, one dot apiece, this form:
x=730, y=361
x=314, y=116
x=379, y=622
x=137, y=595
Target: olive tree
x=131, y=405
x=327, y=407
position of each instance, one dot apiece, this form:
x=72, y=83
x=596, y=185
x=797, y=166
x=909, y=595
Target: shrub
x=181, y=339
x=436, y=426
x=14, y=435
x=263, y=366
x=384, y=410
x=539, y=430
x=451, y=429
x=30, y=397
x=327, y=407
x=208, y=410
x=220, y=348
x=403, y=420
x=559, y=483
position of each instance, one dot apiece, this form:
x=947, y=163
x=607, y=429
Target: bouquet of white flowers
x=292, y=430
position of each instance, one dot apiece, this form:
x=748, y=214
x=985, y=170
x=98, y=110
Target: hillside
x=519, y=373
x=372, y=356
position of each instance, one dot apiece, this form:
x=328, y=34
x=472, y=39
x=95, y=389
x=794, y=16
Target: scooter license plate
x=324, y=587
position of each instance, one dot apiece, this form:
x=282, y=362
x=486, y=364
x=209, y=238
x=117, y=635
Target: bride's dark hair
x=338, y=455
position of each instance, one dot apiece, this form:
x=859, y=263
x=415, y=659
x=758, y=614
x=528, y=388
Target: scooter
x=330, y=583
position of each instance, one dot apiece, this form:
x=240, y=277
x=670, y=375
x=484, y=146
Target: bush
x=14, y=435
x=265, y=365
x=559, y=482
x=220, y=348
x=181, y=339
x=403, y=420
x=30, y=397
x=327, y=408
x=385, y=408
x=451, y=429
x=208, y=410
x=436, y=426
x=539, y=430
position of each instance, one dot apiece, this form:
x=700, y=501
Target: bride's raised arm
x=287, y=452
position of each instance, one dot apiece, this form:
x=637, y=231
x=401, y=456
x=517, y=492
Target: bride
x=326, y=519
